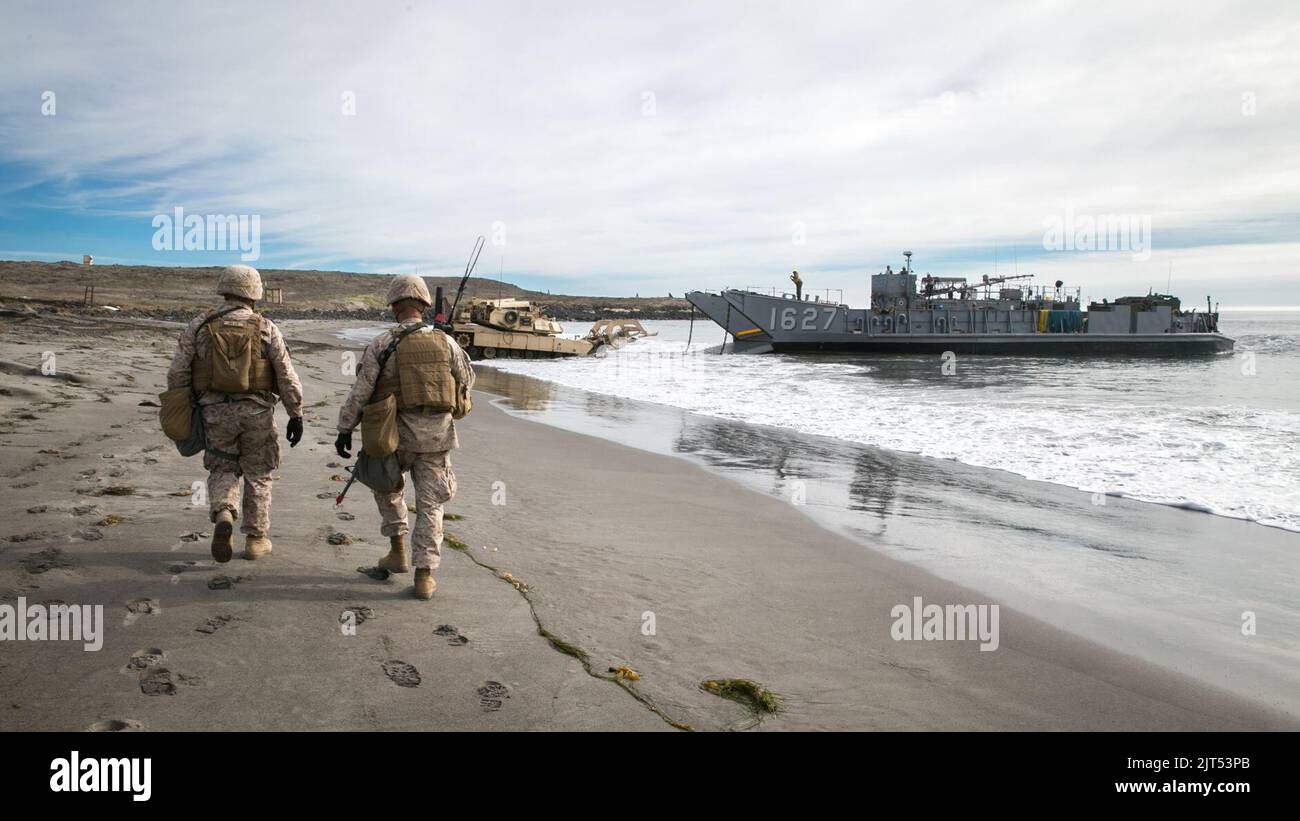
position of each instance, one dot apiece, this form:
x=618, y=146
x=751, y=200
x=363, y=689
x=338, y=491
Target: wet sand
x=593, y=541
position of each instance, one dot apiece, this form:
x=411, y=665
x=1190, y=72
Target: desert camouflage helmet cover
x=409, y=286
x=240, y=280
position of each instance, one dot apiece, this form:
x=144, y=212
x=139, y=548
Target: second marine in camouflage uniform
x=426, y=434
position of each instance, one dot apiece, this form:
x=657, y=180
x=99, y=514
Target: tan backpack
x=236, y=362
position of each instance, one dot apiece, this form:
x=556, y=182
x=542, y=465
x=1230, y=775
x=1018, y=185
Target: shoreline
x=594, y=535
x=1006, y=474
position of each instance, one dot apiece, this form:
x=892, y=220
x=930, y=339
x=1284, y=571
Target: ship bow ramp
x=743, y=334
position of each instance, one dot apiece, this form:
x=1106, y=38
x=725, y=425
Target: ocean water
x=1214, y=434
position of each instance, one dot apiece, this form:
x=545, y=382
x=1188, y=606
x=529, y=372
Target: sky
x=649, y=148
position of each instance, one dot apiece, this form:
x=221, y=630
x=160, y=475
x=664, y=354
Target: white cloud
x=879, y=127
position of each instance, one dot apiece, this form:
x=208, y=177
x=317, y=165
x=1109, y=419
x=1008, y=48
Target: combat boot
x=255, y=547
x=222, y=537
x=398, y=559
x=424, y=583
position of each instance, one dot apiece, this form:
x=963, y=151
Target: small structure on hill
x=87, y=280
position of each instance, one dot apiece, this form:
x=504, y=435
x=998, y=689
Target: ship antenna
x=908, y=254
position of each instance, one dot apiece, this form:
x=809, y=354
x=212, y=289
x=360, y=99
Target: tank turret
x=512, y=315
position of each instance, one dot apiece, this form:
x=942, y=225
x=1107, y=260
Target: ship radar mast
x=907, y=267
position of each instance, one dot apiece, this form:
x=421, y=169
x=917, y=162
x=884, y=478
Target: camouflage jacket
x=188, y=347
x=417, y=431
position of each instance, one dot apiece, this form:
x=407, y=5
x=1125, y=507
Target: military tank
x=516, y=329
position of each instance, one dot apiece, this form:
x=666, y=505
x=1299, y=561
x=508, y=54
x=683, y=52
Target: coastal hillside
x=173, y=293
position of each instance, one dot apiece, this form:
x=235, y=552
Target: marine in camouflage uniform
x=426, y=434
x=239, y=427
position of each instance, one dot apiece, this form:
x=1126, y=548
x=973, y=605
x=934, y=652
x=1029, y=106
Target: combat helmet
x=409, y=286
x=240, y=280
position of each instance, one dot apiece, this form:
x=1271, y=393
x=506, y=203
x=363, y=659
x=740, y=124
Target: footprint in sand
x=33, y=536
x=453, y=636
x=401, y=673
x=215, y=623
x=377, y=573
x=223, y=582
x=492, y=695
x=138, y=608
x=142, y=607
x=158, y=681
x=356, y=614
x=116, y=725
x=146, y=658
x=51, y=558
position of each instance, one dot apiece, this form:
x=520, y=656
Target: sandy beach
x=569, y=546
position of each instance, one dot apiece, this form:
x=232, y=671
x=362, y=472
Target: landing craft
x=995, y=315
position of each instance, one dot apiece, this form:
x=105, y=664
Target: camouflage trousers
x=241, y=444
x=435, y=484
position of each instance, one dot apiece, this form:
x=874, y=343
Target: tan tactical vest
x=236, y=362
x=422, y=378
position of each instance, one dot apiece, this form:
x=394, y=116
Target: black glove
x=294, y=432
x=343, y=444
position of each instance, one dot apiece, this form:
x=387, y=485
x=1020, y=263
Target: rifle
x=338, y=500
